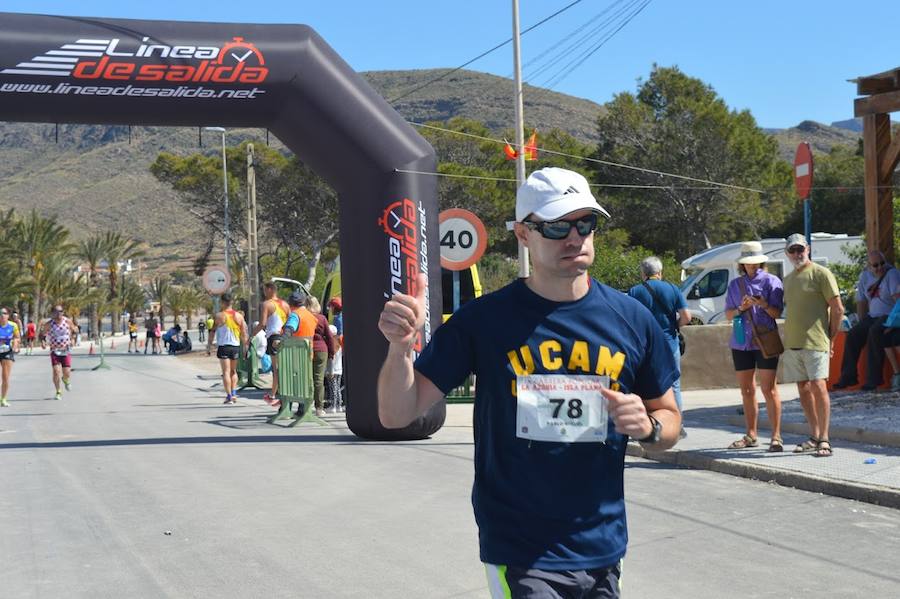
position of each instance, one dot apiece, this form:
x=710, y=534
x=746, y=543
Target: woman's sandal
x=743, y=442
x=823, y=449
x=809, y=445
x=776, y=445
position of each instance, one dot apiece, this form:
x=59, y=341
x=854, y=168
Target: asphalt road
x=140, y=483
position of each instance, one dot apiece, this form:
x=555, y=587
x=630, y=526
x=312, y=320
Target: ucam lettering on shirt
x=601, y=361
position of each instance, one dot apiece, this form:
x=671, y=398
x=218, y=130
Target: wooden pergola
x=880, y=95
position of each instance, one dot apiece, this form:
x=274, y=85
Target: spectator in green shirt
x=812, y=319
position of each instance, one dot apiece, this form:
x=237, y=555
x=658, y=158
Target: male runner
x=231, y=338
x=9, y=346
x=150, y=340
x=58, y=332
x=568, y=369
x=272, y=315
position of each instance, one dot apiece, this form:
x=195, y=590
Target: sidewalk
x=865, y=427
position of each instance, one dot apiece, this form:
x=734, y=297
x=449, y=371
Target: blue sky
x=785, y=61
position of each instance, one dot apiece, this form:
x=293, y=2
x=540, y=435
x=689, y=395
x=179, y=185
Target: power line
x=578, y=61
x=629, y=185
x=596, y=160
x=483, y=54
x=513, y=180
x=576, y=42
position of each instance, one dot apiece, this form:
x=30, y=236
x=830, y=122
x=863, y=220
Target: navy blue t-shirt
x=548, y=505
x=669, y=296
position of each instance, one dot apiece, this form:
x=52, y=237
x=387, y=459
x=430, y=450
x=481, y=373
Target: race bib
x=60, y=352
x=565, y=408
x=4, y=349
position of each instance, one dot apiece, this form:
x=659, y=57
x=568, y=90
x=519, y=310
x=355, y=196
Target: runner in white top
x=58, y=331
x=273, y=312
x=231, y=336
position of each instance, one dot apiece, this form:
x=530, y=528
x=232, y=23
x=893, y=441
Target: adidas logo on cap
x=570, y=190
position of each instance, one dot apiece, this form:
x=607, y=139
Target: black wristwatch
x=655, y=432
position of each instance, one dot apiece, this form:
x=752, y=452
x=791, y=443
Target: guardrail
x=295, y=382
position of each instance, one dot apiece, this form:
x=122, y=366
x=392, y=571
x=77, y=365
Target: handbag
x=767, y=340
x=673, y=315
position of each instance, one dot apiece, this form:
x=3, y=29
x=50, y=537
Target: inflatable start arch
x=281, y=77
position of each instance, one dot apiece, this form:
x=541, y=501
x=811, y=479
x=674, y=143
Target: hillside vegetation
x=97, y=178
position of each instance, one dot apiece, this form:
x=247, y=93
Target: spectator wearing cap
x=876, y=293
x=756, y=297
x=301, y=322
x=667, y=304
x=568, y=369
x=337, y=306
x=813, y=313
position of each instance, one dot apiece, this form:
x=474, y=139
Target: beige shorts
x=804, y=365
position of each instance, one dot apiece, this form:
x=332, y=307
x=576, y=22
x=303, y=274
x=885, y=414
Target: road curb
x=844, y=433
x=877, y=495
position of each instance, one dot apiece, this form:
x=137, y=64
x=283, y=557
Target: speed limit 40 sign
x=463, y=238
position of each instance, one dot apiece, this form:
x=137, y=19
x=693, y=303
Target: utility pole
x=520, y=126
x=252, y=243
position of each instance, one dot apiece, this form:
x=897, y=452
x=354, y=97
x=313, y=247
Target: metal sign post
x=463, y=241
x=803, y=181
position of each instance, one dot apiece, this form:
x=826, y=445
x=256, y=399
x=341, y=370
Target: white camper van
x=705, y=276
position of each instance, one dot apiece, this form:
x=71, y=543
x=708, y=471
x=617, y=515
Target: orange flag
x=531, y=152
x=510, y=153
x=531, y=146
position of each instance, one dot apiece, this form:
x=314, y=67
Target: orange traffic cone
x=91, y=351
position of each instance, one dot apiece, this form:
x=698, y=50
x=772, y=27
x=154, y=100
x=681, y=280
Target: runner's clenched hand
x=628, y=414
x=403, y=315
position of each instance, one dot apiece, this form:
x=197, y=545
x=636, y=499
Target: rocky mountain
x=96, y=177
x=821, y=138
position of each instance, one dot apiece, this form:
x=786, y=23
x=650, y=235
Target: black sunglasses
x=877, y=264
x=559, y=229
x=796, y=249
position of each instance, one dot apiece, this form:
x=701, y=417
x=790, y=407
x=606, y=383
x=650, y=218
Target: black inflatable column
x=285, y=78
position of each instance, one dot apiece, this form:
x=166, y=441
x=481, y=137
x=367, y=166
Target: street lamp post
x=225, y=185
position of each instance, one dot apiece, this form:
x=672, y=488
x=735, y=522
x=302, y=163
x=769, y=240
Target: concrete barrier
x=706, y=363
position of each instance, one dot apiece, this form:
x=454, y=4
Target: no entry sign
x=463, y=238
x=803, y=170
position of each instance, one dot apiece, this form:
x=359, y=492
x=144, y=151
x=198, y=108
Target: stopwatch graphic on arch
x=239, y=51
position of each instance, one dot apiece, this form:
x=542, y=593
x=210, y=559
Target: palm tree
x=185, y=300
x=92, y=250
x=159, y=292
x=40, y=241
x=134, y=298
x=118, y=249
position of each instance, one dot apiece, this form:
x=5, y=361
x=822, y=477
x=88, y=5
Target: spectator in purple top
x=755, y=296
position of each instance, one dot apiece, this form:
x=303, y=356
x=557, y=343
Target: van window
x=776, y=267
x=714, y=284
x=821, y=261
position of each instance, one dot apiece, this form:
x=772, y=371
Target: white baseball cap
x=551, y=193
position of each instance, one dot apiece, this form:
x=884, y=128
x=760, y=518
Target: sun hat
x=551, y=193
x=752, y=253
x=796, y=239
